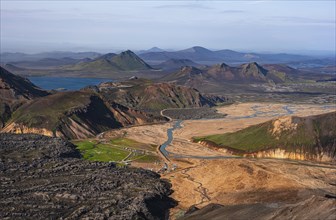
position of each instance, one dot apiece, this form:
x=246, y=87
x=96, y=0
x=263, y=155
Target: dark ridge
x=330, y=196
x=107, y=56
x=20, y=86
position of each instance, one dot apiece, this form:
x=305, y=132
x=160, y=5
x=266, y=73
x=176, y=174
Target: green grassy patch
x=100, y=152
x=115, y=150
x=259, y=137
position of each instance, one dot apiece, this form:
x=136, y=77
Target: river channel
x=178, y=124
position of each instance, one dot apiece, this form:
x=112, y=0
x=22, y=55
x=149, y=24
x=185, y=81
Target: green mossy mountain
x=312, y=135
x=125, y=61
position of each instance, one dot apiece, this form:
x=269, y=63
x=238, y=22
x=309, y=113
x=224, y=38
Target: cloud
x=302, y=20
x=258, y=2
x=184, y=6
x=232, y=11
x=25, y=11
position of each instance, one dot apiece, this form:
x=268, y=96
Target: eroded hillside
x=148, y=96
x=73, y=115
x=304, y=138
x=14, y=91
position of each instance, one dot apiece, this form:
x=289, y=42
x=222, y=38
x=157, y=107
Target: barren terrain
x=242, y=115
x=278, y=183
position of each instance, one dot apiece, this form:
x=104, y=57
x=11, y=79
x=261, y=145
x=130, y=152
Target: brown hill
x=219, y=73
x=14, y=91
x=148, y=96
x=16, y=87
x=73, y=115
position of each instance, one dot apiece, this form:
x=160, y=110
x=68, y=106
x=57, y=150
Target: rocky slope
x=73, y=115
x=14, y=91
x=302, y=138
x=43, y=178
x=246, y=189
x=265, y=211
x=148, y=96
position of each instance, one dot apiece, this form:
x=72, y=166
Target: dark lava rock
x=44, y=178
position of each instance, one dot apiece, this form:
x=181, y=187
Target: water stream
x=170, y=138
x=178, y=124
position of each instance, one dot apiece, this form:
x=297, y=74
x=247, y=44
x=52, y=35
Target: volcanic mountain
x=145, y=95
x=307, y=138
x=125, y=61
x=73, y=115
x=216, y=74
x=14, y=91
x=153, y=49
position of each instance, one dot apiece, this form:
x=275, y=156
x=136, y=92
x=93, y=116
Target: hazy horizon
x=302, y=27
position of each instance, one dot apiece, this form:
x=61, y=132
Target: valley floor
x=232, y=181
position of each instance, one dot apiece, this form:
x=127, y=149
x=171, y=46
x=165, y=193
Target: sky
x=109, y=26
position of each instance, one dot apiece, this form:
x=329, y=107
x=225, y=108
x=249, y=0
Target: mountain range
x=15, y=57
x=152, y=63
x=201, y=54
x=245, y=73
x=196, y=54
x=86, y=113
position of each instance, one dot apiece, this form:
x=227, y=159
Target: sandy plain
x=238, y=181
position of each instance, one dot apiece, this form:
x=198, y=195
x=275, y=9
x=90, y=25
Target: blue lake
x=68, y=83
